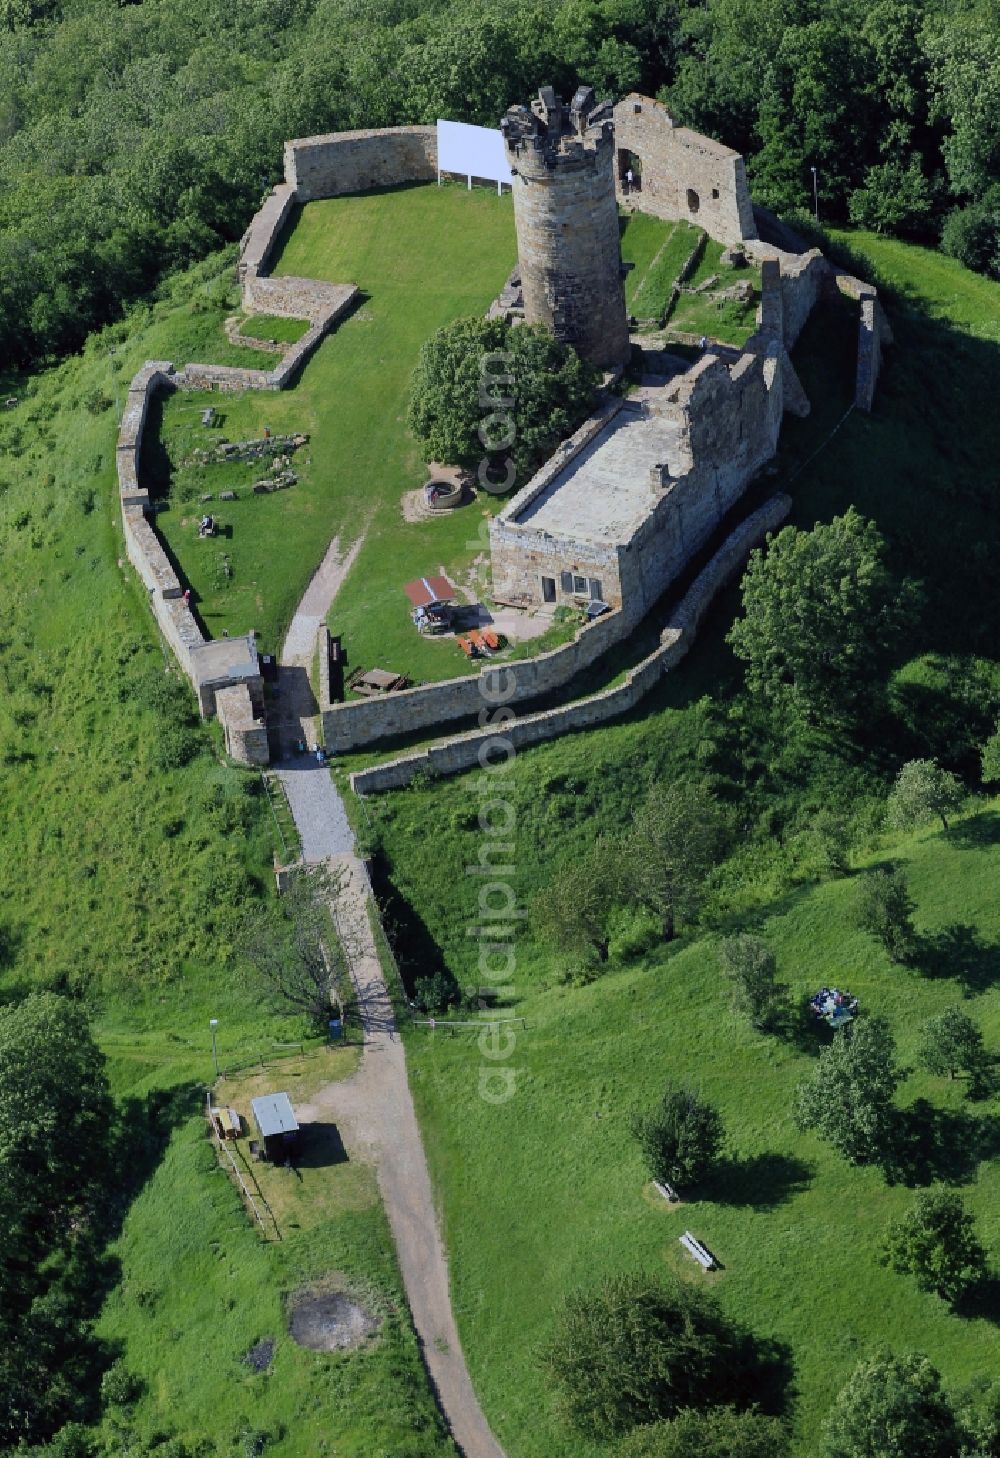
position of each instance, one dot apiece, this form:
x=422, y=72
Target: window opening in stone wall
x=596, y=595
x=566, y=581
x=715, y=193
x=694, y=201
x=580, y=585
x=548, y=589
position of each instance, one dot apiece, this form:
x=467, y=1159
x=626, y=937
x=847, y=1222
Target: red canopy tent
x=426, y=592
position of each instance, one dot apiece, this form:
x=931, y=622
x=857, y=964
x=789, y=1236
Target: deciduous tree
x=293, y=949
x=680, y=1137
x=923, y=791
x=749, y=964
x=483, y=390
x=892, y=1407
x=633, y=1350
x=952, y=1043
x=679, y=834
x=936, y=1241
x=847, y=1099
x=821, y=614
x=885, y=911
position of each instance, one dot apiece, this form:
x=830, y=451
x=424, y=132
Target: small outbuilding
x=279, y=1129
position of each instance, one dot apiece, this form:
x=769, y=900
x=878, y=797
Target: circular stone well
x=327, y=1319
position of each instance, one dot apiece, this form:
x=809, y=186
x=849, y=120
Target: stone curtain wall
x=463, y=752
x=359, y=723
x=258, y=241
x=684, y=175
x=142, y=545
x=343, y=162
x=870, y=333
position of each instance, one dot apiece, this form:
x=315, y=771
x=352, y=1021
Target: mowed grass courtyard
x=422, y=256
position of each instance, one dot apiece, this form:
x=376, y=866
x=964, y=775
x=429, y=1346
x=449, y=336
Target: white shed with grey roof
x=275, y=1118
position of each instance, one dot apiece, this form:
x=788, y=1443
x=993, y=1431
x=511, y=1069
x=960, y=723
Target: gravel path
x=373, y=1109
x=374, y=1112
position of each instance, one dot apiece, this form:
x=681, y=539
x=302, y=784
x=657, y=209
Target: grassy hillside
x=131, y=854
x=547, y=1191
x=788, y=1217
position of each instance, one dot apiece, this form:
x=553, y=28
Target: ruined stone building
x=623, y=506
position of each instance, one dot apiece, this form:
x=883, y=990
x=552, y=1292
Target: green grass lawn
x=422, y=256
x=651, y=291
x=127, y=884
x=726, y=319
x=796, y=1230
x=276, y=327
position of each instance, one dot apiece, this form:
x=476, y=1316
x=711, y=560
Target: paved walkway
x=373, y=1109
x=316, y=807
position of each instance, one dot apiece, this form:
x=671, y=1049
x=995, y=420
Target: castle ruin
x=622, y=507
x=566, y=215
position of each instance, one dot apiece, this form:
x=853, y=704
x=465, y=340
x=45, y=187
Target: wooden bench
x=695, y=1248
x=667, y=1191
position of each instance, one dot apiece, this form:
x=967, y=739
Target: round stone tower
x=566, y=217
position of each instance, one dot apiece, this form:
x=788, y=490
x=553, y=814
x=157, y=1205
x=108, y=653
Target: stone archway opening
x=693, y=200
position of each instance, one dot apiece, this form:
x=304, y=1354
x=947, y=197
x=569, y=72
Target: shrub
x=680, y=1137
x=634, y=1350
x=119, y=1386
x=991, y=758
x=721, y=1432
x=437, y=993
x=885, y=911
x=972, y=234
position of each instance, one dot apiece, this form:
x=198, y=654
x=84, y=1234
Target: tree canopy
x=936, y=1241
x=847, y=1099
x=633, y=1350
x=483, y=390
x=821, y=614
x=892, y=1407
x=680, y=1137
x=923, y=791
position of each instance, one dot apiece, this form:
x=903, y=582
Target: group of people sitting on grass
x=833, y=1005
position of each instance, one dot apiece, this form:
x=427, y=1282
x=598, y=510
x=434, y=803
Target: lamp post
x=815, y=194
x=213, y=1023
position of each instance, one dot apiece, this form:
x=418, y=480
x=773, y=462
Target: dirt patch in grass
x=261, y=1355
x=329, y=1319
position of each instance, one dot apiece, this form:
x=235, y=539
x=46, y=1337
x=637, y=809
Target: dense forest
x=135, y=138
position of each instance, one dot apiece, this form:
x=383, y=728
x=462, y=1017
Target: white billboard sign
x=472, y=152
